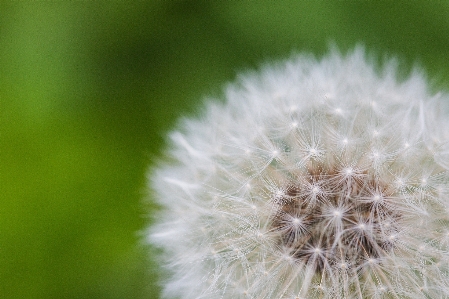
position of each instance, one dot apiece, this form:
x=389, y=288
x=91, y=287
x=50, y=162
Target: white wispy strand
x=315, y=179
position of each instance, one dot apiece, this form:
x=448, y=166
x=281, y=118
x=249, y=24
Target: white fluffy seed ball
x=314, y=179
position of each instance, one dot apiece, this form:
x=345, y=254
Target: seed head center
x=334, y=224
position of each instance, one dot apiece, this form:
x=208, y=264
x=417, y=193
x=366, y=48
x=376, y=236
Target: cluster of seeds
x=317, y=180
x=330, y=219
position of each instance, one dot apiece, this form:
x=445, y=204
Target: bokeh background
x=88, y=89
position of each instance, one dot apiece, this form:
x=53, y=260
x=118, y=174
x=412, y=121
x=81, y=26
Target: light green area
x=88, y=89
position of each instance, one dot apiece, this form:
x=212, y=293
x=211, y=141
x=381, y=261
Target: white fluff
x=315, y=179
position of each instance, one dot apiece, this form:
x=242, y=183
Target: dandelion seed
x=314, y=180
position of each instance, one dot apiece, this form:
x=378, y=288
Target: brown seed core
x=335, y=218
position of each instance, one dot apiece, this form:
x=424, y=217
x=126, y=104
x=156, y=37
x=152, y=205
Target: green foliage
x=89, y=89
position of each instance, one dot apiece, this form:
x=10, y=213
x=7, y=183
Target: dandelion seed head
x=315, y=179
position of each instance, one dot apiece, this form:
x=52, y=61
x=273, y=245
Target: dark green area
x=88, y=89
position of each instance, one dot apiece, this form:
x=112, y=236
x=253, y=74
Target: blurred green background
x=88, y=89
